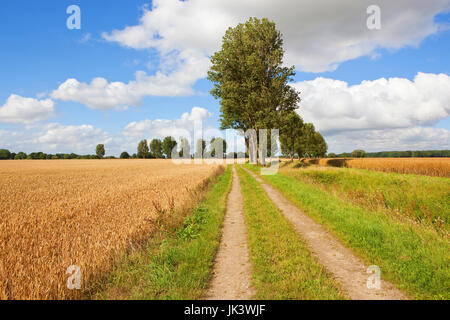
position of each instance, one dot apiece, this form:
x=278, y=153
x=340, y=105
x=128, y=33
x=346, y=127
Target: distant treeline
x=7, y=155
x=393, y=154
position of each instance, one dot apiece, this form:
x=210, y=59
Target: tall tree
x=320, y=147
x=358, y=153
x=200, y=149
x=249, y=79
x=142, y=149
x=291, y=125
x=100, y=151
x=167, y=146
x=304, y=142
x=217, y=147
x=156, y=148
x=185, y=148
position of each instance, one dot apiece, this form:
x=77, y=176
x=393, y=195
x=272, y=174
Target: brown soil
x=232, y=271
x=348, y=269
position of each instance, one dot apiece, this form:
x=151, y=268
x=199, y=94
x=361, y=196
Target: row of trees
x=157, y=149
x=7, y=155
x=168, y=147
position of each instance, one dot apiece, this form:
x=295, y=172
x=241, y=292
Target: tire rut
x=347, y=269
x=232, y=270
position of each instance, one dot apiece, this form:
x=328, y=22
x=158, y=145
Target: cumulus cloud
x=191, y=125
x=103, y=95
x=79, y=139
x=82, y=139
x=58, y=138
x=15, y=141
x=318, y=35
x=19, y=109
x=181, y=127
x=414, y=138
x=334, y=106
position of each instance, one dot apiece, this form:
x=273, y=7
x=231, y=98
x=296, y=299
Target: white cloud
x=19, y=109
x=318, y=35
x=414, y=138
x=159, y=128
x=334, y=106
x=82, y=139
x=103, y=95
x=14, y=141
x=78, y=139
x=85, y=38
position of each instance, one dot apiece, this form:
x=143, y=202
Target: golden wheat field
x=88, y=213
x=436, y=167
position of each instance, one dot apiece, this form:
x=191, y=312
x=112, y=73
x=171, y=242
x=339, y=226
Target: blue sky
x=339, y=66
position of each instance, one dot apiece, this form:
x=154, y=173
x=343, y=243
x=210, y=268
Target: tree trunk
x=253, y=148
x=262, y=146
x=247, y=147
x=262, y=154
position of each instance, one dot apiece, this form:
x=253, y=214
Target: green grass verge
x=176, y=265
x=282, y=266
x=422, y=198
x=417, y=260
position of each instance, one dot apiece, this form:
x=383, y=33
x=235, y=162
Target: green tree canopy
x=185, y=148
x=249, y=77
x=142, y=149
x=5, y=154
x=156, y=148
x=124, y=155
x=217, y=146
x=303, y=143
x=291, y=125
x=319, y=146
x=20, y=156
x=168, y=145
x=200, y=148
x=100, y=150
x=358, y=153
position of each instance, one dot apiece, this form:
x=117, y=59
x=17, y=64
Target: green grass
x=282, y=266
x=175, y=265
x=422, y=198
x=414, y=258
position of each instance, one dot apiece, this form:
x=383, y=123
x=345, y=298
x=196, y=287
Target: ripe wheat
x=437, y=167
x=88, y=213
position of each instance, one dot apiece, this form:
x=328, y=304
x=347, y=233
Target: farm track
x=232, y=271
x=349, y=270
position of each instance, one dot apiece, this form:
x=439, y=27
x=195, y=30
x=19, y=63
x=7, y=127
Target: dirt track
x=349, y=270
x=232, y=271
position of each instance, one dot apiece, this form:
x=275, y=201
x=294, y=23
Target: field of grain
x=435, y=167
x=88, y=213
